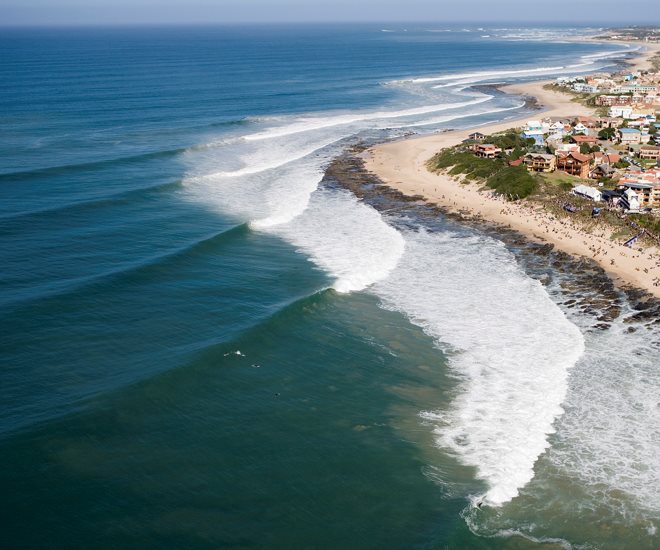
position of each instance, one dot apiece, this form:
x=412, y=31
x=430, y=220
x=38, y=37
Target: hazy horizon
x=200, y=12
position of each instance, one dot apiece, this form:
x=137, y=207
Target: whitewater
x=517, y=358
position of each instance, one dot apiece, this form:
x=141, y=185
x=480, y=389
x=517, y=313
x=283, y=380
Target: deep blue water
x=158, y=214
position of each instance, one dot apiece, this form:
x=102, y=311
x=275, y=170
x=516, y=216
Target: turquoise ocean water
x=203, y=345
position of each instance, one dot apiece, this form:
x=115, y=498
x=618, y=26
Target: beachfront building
x=582, y=88
x=575, y=164
x=557, y=127
x=566, y=148
x=620, y=112
x=535, y=130
x=487, y=150
x=645, y=184
x=629, y=136
x=476, y=136
x=630, y=200
x=613, y=100
x=538, y=162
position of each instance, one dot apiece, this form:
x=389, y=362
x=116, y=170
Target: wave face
x=510, y=346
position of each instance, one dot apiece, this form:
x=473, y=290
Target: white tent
x=589, y=192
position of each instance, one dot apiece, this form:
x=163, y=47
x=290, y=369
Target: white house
x=622, y=111
x=630, y=200
x=580, y=128
x=557, y=128
x=584, y=88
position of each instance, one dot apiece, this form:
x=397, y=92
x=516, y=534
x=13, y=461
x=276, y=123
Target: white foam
x=609, y=438
x=346, y=238
x=276, y=155
x=587, y=63
x=307, y=124
x=441, y=120
x=510, y=344
x=486, y=74
x=288, y=196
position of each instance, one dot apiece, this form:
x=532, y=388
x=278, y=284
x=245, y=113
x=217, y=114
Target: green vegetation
x=512, y=181
x=607, y=133
x=585, y=148
x=651, y=223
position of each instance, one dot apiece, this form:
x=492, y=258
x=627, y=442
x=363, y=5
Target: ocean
x=208, y=343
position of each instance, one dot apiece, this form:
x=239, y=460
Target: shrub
x=513, y=181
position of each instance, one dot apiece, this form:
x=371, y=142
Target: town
x=611, y=158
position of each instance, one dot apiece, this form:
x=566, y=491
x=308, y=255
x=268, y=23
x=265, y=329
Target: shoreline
x=401, y=165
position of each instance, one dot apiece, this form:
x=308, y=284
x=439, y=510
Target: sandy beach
x=402, y=165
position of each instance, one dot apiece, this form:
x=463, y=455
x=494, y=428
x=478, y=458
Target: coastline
x=401, y=165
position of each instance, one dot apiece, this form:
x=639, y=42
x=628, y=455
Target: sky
x=111, y=12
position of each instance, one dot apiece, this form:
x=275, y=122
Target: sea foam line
x=510, y=345
x=318, y=123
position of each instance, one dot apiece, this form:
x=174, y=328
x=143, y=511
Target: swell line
x=77, y=284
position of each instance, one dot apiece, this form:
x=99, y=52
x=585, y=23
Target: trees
x=607, y=133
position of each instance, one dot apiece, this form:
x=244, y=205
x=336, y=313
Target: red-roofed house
x=584, y=139
x=575, y=164
x=487, y=150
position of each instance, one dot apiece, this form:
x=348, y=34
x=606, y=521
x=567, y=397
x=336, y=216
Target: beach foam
x=307, y=124
x=346, y=238
x=610, y=435
x=510, y=345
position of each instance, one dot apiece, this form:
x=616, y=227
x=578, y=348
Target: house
x=476, y=136
x=606, y=122
x=588, y=192
x=648, y=192
x=579, y=139
x=651, y=152
x=628, y=136
x=602, y=171
x=535, y=129
x=606, y=159
x=556, y=128
x=630, y=201
x=613, y=100
x=487, y=150
x=621, y=112
x=575, y=164
x=580, y=128
x=587, y=121
x=539, y=162
x=567, y=148
x=583, y=88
